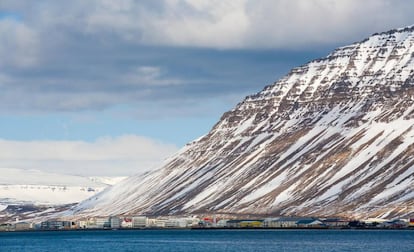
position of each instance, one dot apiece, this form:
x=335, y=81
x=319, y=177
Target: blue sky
x=154, y=71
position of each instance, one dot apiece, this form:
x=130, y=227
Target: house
x=394, y=224
x=81, y=224
x=335, y=223
x=126, y=222
x=22, y=226
x=282, y=222
x=411, y=223
x=245, y=223
x=207, y=222
x=270, y=222
x=6, y=227
x=373, y=222
x=222, y=223
x=309, y=223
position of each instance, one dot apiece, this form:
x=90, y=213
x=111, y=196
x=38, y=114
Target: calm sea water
x=210, y=240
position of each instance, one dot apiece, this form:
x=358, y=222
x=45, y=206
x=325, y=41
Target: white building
x=115, y=222
x=139, y=222
x=126, y=222
x=103, y=222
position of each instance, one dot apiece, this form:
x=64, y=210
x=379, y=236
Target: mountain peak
x=332, y=137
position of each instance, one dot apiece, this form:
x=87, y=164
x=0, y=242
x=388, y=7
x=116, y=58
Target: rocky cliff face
x=333, y=137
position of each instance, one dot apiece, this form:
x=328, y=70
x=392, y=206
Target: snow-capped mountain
x=332, y=137
x=19, y=187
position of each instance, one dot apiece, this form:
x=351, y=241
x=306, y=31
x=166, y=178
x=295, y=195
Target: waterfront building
x=126, y=222
x=55, y=225
x=139, y=221
x=245, y=223
x=115, y=222
x=411, y=222
x=335, y=222
x=221, y=223
x=103, y=222
x=6, y=227
x=22, y=226
x=282, y=222
x=157, y=223
x=177, y=223
x=395, y=224
x=82, y=224
x=309, y=223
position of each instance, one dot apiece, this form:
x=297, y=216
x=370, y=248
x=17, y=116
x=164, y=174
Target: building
x=178, y=223
x=395, y=224
x=103, y=222
x=139, y=222
x=98, y=223
x=245, y=223
x=6, y=227
x=411, y=222
x=115, y=222
x=55, y=225
x=157, y=223
x=126, y=222
x=81, y=224
x=282, y=222
x=22, y=226
x=335, y=223
x=309, y=223
x=222, y=223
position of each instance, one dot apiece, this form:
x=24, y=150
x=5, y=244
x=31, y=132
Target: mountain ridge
x=332, y=137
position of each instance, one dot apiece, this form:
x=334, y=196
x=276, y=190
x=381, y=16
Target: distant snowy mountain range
x=18, y=187
x=332, y=137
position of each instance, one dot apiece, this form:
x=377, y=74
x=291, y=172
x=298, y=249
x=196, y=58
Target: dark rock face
x=333, y=137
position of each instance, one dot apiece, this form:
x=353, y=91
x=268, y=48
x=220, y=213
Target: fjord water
x=210, y=240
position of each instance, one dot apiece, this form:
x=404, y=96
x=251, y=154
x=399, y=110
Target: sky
x=112, y=88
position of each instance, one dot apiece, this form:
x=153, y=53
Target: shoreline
x=204, y=229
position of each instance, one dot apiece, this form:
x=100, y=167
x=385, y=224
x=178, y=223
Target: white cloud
x=149, y=76
x=92, y=55
x=124, y=155
x=18, y=43
x=212, y=23
x=301, y=23
x=243, y=23
x=200, y=23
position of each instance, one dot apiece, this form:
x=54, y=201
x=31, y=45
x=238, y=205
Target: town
x=213, y=222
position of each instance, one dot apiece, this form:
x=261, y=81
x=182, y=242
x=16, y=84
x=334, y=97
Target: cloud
x=216, y=24
x=148, y=76
x=154, y=55
x=225, y=24
x=120, y=156
x=18, y=43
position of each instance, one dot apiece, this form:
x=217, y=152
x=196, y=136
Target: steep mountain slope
x=332, y=137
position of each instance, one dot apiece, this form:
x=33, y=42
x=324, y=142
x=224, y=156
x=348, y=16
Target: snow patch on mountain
x=332, y=137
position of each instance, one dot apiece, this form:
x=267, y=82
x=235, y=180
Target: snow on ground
x=108, y=180
x=44, y=194
x=11, y=176
x=2, y=207
x=18, y=186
